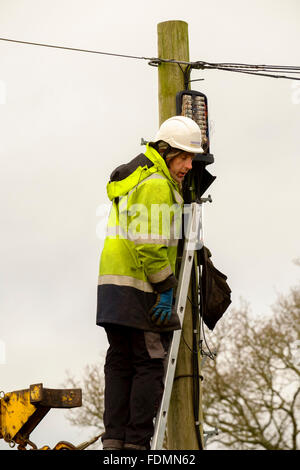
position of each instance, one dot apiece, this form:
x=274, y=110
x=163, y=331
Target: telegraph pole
x=173, y=43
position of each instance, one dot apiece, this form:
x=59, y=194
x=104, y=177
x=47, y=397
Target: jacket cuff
x=160, y=276
x=168, y=283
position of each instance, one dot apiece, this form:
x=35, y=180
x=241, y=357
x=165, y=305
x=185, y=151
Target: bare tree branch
x=251, y=391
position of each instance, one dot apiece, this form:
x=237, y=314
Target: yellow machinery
x=22, y=410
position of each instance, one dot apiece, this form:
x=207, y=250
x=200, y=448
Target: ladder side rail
x=192, y=238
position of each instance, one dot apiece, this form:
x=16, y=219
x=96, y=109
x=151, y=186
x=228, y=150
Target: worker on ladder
x=136, y=280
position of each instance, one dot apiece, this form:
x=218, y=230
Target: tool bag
x=215, y=292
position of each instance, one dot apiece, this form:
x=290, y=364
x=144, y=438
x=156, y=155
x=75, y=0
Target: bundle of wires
x=273, y=71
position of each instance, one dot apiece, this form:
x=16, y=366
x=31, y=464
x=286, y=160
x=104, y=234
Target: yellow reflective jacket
x=140, y=249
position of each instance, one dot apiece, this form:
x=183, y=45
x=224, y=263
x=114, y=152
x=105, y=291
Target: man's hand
x=162, y=311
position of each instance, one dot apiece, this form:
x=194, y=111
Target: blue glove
x=162, y=311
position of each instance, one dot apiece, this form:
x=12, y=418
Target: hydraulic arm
x=22, y=410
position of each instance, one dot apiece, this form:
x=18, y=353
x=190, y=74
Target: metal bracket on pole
x=209, y=434
x=193, y=241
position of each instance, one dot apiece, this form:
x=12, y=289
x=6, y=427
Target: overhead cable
x=253, y=69
x=91, y=51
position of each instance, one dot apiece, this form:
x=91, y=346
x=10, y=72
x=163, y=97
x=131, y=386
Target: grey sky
x=69, y=118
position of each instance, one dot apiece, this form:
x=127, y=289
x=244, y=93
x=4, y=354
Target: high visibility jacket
x=140, y=249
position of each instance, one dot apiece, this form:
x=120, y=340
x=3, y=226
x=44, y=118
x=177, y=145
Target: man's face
x=180, y=165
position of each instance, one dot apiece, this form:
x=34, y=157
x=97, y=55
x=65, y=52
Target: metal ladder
x=193, y=241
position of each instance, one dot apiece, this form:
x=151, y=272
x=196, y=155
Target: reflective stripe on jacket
x=139, y=254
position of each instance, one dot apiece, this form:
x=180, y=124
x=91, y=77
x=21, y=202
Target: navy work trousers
x=134, y=371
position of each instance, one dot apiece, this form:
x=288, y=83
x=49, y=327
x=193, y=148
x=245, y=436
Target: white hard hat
x=182, y=133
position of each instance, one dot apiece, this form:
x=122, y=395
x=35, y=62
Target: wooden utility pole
x=173, y=43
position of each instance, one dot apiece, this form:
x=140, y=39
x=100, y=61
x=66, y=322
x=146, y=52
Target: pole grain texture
x=173, y=43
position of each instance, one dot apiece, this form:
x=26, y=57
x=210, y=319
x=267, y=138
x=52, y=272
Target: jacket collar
x=160, y=163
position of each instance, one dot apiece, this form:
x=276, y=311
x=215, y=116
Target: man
x=137, y=280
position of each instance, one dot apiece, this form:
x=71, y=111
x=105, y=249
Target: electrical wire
x=258, y=73
x=154, y=60
x=252, y=69
x=70, y=48
x=195, y=363
x=254, y=66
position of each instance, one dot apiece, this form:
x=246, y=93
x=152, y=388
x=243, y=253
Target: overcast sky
x=68, y=118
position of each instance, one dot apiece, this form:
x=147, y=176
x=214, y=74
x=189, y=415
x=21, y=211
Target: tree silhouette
x=251, y=390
